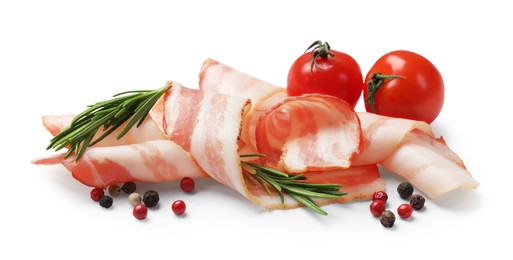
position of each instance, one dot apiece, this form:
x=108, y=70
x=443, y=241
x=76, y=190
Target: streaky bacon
x=438, y=171
x=150, y=161
x=309, y=133
x=409, y=149
x=218, y=77
x=208, y=124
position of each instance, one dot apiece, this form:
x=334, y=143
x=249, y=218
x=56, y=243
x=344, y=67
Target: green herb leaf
x=131, y=106
x=292, y=185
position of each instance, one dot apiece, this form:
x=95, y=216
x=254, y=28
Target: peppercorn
x=114, y=190
x=377, y=207
x=134, y=198
x=187, y=184
x=96, y=194
x=405, y=190
x=417, y=201
x=151, y=198
x=106, y=201
x=140, y=211
x=380, y=195
x=387, y=219
x=128, y=187
x=405, y=210
x=178, y=207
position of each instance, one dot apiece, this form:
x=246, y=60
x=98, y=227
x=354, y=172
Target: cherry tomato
x=326, y=71
x=415, y=90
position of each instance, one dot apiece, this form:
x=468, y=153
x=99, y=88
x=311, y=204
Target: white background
x=56, y=57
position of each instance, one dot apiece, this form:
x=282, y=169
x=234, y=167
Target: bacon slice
x=309, y=133
x=436, y=172
x=409, y=149
x=382, y=135
x=151, y=161
x=218, y=77
x=208, y=124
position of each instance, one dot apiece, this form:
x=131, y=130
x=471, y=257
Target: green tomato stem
x=320, y=50
x=374, y=84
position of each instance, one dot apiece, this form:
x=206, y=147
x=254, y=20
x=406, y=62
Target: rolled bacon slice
x=218, y=77
x=151, y=161
x=208, y=124
x=309, y=133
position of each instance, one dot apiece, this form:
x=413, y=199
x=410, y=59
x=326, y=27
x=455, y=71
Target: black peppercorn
x=128, y=187
x=151, y=198
x=417, y=201
x=405, y=190
x=387, y=219
x=106, y=201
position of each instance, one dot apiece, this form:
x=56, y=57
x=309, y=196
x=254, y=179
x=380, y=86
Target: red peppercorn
x=97, y=193
x=187, y=184
x=377, y=207
x=404, y=210
x=140, y=211
x=178, y=207
x=380, y=195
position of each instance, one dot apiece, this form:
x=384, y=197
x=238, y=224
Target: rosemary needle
x=130, y=106
x=292, y=185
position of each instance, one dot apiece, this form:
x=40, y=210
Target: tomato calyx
x=320, y=49
x=373, y=86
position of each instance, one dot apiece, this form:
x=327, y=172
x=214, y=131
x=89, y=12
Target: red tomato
x=417, y=95
x=326, y=71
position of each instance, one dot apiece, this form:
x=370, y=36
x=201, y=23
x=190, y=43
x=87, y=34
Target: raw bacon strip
x=382, y=135
x=208, y=124
x=429, y=164
x=218, y=77
x=360, y=182
x=147, y=131
x=309, y=133
x=152, y=161
x=215, y=76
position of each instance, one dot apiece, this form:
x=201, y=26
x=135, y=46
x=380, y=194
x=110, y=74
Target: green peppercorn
x=134, y=198
x=128, y=187
x=114, y=190
x=417, y=201
x=405, y=190
x=387, y=219
x=106, y=201
x=151, y=198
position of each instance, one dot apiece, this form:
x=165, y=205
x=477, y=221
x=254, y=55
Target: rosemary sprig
x=131, y=106
x=292, y=185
